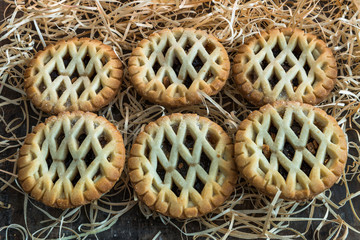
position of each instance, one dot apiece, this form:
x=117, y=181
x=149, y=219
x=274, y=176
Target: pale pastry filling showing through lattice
x=267, y=74
x=60, y=166
x=181, y=60
x=71, y=75
x=163, y=175
x=266, y=136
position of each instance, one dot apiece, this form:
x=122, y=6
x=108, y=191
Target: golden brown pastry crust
x=184, y=152
x=171, y=66
x=71, y=159
x=284, y=64
x=75, y=74
x=272, y=143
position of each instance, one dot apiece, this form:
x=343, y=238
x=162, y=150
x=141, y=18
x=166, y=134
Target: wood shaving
x=31, y=25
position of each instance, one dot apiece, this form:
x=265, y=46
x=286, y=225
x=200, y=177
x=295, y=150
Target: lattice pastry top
x=71, y=159
x=292, y=146
x=284, y=65
x=75, y=74
x=182, y=165
x=171, y=66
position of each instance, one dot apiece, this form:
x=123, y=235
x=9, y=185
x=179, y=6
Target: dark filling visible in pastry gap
x=104, y=60
x=49, y=160
x=296, y=127
x=182, y=167
x=187, y=47
x=175, y=127
x=176, y=65
x=166, y=48
x=264, y=63
x=156, y=66
x=199, y=185
x=54, y=74
x=286, y=66
x=273, y=80
x=305, y=167
x=166, y=147
x=103, y=140
x=312, y=146
x=289, y=151
x=42, y=87
x=189, y=142
x=295, y=82
x=75, y=75
x=212, y=139
x=80, y=89
x=276, y=50
x=160, y=171
x=209, y=47
x=273, y=132
x=175, y=189
x=81, y=138
x=197, y=63
x=166, y=81
x=61, y=89
x=75, y=179
x=68, y=160
x=86, y=60
x=59, y=139
x=307, y=68
x=66, y=59
x=282, y=171
x=297, y=51
x=188, y=81
x=252, y=75
x=327, y=159
x=90, y=156
x=266, y=151
x=205, y=162
x=319, y=125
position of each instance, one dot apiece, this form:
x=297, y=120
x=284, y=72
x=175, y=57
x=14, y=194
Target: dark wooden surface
x=132, y=225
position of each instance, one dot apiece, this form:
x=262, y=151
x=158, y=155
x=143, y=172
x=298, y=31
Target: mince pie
x=172, y=66
x=285, y=64
x=291, y=146
x=182, y=165
x=75, y=74
x=71, y=159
